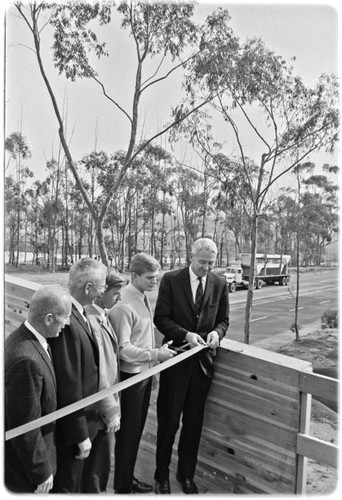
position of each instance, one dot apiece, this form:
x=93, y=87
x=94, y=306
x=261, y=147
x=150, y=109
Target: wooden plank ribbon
x=78, y=405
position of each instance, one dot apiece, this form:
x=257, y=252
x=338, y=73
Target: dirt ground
x=321, y=349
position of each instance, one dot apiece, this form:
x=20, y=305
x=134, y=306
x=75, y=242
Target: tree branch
x=112, y=100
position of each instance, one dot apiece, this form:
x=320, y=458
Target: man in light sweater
x=132, y=320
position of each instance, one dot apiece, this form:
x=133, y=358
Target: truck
x=269, y=269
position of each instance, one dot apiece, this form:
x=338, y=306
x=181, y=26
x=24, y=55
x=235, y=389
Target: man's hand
x=213, y=340
x=46, y=486
x=114, y=424
x=194, y=339
x=165, y=353
x=84, y=448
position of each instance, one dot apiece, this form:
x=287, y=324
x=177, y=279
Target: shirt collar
x=78, y=306
x=42, y=340
x=134, y=290
x=101, y=310
x=194, y=277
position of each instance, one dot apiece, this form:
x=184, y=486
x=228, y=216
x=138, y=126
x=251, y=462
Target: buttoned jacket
x=76, y=358
x=30, y=393
x=176, y=314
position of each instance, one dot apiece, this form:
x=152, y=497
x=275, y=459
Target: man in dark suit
x=192, y=309
x=30, y=392
x=77, y=374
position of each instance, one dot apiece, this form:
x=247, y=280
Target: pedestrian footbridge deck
x=256, y=434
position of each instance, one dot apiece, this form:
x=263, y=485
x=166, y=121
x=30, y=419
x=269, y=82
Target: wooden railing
x=321, y=451
x=255, y=436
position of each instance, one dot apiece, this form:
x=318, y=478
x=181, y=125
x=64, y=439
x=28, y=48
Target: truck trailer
x=269, y=269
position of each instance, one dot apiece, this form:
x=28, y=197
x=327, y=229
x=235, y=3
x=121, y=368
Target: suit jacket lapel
x=108, y=326
x=84, y=325
x=103, y=319
x=37, y=345
x=208, y=287
x=187, y=289
x=105, y=323
x=80, y=319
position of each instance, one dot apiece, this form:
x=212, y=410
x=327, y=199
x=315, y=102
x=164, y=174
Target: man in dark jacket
x=192, y=309
x=30, y=392
x=77, y=375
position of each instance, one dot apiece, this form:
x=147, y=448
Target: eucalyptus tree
x=11, y=199
x=190, y=198
x=17, y=152
x=159, y=31
x=299, y=171
x=284, y=212
x=35, y=196
x=17, y=148
x=260, y=99
x=52, y=210
x=320, y=207
x=156, y=192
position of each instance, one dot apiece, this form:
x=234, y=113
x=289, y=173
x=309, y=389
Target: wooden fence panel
x=249, y=438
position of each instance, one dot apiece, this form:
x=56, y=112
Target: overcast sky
x=306, y=31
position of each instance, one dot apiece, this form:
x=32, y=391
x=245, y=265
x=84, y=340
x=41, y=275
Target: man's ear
x=87, y=287
x=48, y=319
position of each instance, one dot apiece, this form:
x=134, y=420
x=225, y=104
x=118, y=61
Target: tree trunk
x=249, y=302
x=296, y=326
x=101, y=242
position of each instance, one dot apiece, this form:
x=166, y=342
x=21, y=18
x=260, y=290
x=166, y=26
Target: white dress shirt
x=194, y=283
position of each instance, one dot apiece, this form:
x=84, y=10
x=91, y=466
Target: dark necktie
x=50, y=353
x=199, y=295
x=147, y=304
x=85, y=317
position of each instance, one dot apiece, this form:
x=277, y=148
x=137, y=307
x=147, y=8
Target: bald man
x=30, y=391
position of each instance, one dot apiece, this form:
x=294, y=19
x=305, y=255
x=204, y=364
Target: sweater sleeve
x=132, y=348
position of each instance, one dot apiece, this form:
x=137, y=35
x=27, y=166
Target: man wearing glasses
x=76, y=356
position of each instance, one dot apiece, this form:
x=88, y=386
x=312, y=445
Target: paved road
x=273, y=306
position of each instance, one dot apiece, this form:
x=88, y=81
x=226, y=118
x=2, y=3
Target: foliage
x=142, y=190
x=157, y=29
x=160, y=208
x=16, y=145
x=330, y=319
x=295, y=328
x=291, y=121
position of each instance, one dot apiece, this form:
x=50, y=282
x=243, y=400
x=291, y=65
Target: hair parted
x=143, y=263
x=114, y=279
x=83, y=267
x=204, y=243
